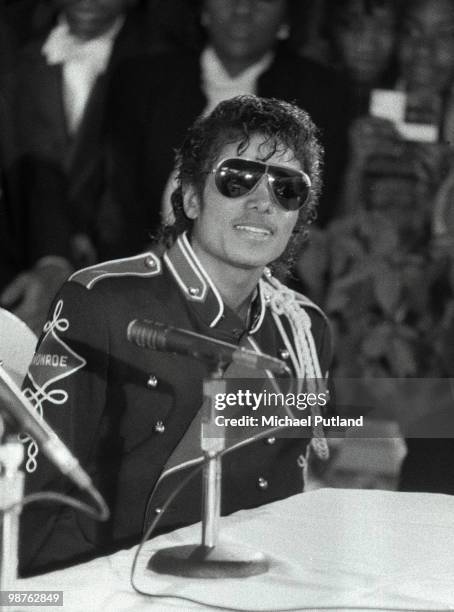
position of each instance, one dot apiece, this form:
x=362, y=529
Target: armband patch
x=53, y=361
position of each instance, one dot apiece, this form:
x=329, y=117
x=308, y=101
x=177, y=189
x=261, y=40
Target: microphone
x=160, y=337
x=21, y=415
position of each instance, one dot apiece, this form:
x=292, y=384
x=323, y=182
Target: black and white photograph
x=227, y=305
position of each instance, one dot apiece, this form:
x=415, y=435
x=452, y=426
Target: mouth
x=241, y=34
x=254, y=231
x=84, y=12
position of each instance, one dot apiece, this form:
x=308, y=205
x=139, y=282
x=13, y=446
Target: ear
x=191, y=202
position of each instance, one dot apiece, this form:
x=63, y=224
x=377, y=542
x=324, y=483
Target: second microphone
x=160, y=337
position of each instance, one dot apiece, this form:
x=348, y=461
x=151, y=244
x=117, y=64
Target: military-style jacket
x=123, y=410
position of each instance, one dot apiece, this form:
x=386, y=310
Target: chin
x=250, y=265
x=249, y=261
x=87, y=28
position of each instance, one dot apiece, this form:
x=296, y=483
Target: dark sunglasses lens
x=291, y=192
x=236, y=177
x=291, y=189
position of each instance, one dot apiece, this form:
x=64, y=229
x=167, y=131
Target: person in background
x=425, y=73
x=153, y=101
x=247, y=188
x=425, y=45
x=56, y=100
x=409, y=294
x=362, y=37
x=358, y=38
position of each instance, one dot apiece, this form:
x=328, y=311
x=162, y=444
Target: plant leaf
x=388, y=288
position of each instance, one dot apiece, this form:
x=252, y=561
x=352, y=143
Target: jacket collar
x=199, y=289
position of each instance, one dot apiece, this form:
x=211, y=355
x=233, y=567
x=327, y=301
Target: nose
x=261, y=197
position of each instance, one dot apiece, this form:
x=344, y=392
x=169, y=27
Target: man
x=154, y=100
x=249, y=178
x=362, y=38
x=56, y=108
x=426, y=45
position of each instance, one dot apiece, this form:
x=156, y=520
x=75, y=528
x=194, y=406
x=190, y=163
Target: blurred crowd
x=95, y=96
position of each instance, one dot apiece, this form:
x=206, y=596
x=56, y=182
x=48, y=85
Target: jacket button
x=150, y=262
x=152, y=382
x=284, y=354
x=270, y=441
x=159, y=427
x=157, y=510
x=262, y=483
x=193, y=291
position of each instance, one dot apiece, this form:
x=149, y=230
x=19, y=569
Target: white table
x=331, y=547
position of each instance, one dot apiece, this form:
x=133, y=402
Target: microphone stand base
x=197, y=561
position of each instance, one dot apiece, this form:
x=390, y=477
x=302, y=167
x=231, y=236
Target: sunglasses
x=236, y=177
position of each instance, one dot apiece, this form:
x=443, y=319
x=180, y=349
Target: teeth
x=255, y=230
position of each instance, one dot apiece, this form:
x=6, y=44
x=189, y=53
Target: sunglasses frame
x=270, y=179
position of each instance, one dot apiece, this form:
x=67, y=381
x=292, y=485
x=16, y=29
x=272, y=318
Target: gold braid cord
x=283, y=302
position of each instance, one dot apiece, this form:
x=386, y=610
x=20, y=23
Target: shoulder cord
x=307, y=367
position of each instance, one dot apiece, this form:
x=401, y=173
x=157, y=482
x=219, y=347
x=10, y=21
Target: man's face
x=365, y=40
x=247, y=232
x=243, y=30
x=427, y=44
x=90, y=18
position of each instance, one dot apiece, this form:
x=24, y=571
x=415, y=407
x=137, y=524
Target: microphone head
x=146, y=333
x=131, y=331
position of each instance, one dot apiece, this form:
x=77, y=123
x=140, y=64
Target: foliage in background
x=385, y=281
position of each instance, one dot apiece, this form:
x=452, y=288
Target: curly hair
x=282, y=126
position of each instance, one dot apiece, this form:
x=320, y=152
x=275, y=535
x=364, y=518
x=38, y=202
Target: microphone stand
x=212, y=470
x=11, y=492
x=210, y=559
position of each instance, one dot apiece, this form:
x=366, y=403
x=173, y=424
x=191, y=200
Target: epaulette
x=144, y=265
x=300, y=298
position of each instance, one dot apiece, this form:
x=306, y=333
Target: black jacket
x=124, y=410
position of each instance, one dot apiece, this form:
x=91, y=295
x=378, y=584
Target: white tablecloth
x=328, y=548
